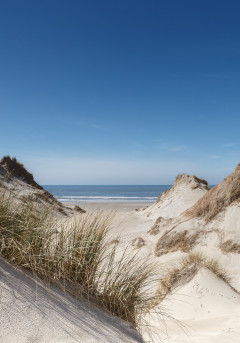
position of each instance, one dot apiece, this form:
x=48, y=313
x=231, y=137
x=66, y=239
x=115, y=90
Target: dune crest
x=185, y=192
x=16, y=181
x=218, y=198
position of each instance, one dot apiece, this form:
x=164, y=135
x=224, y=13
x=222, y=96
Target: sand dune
x=169, y=230
x=208, y=310
x=32, y=312
x=189, y=218
x=186, y=191
x=17, y=182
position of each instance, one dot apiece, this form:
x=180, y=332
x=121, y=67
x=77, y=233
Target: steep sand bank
x=32, y=312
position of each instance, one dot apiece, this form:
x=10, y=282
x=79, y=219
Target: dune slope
x=191, y=218
x=185, y=192
x=31, y=312
x=17, y=182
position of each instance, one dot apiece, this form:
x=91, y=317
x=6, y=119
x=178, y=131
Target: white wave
x=101, y=197
x=69, y=198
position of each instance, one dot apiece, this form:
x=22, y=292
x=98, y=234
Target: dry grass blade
x=218, y=198
x=77, y=258
x=188, y=268
x=125, y=283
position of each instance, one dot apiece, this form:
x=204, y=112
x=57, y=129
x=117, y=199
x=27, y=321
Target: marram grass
x=187, y=269
x=77, y=258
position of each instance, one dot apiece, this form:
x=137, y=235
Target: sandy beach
x=109, y=206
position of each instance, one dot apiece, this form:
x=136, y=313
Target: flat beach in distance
x=109, y=206
x=109, y=198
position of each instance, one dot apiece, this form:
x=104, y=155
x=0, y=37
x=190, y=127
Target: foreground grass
x=77, y=258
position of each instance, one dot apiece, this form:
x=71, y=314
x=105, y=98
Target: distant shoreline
x=109, y=206
x=140, y=195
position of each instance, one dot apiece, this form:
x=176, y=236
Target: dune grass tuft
x=229, y=246
x=173, y=240
x=77, y=258
x=217, y=198
x=188, y=268
x=199, y=260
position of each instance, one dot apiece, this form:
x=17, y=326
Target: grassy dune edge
x=77, y=258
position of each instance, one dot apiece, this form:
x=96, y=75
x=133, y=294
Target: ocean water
x=107, y=193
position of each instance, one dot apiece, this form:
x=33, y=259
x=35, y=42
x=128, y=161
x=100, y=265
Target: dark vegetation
x=230, y=247
x=17, y=169
x=79, y=209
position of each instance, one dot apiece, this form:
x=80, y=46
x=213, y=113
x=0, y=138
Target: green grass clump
x=76, y=257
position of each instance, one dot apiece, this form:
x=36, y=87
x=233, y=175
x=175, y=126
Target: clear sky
x=120, y=92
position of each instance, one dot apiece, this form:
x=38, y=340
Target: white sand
x=109, y=206
x=207, y=308
x=30, y=312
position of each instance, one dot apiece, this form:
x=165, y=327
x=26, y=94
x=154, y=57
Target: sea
x=107, y=193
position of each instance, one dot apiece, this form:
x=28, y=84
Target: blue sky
x=120, y=92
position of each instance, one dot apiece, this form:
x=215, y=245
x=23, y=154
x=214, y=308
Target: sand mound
x=17, y=169
x=185, y=192
x=208, y=310
x=30, y=312
x=218, y=198
x=205, y=296
x=15, y=179
x=185, y=180
x=199, y=224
